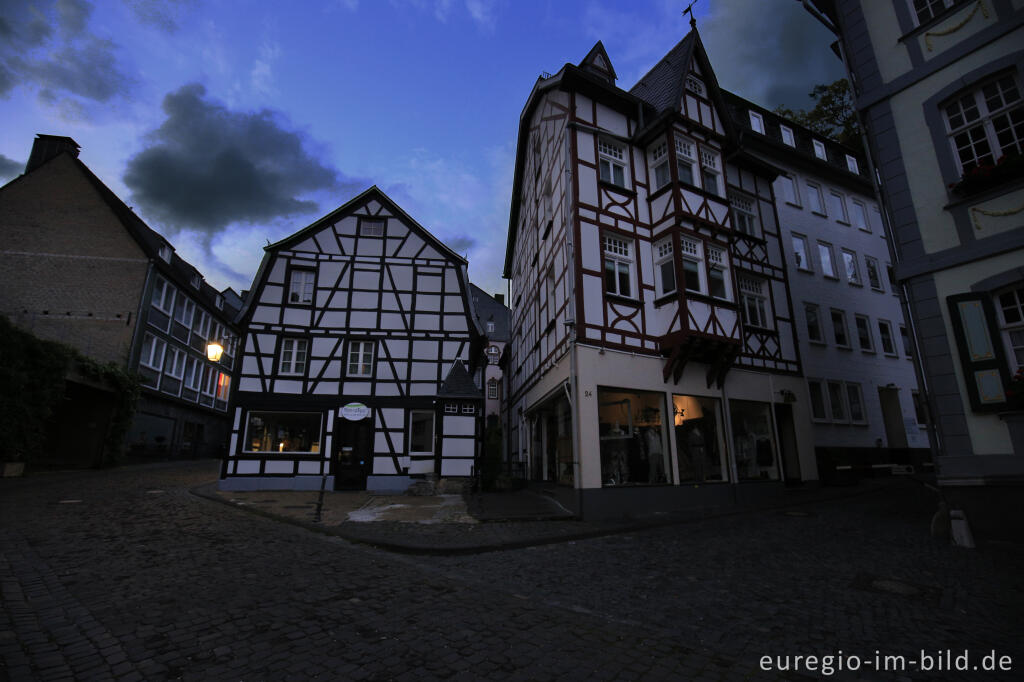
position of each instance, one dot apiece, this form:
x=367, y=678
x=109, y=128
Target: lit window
x=860, y=216
x=864, y=340
x=223, y=386
x=618, y=264
x=756, y=122
x=659, y=161
x=753, y=303
x=819, y=150
x=283, y=432
x=814, y=332
x=710, y=173
x=850, y=266
x=360, y=359
x=839, y=331
x=300, y=288
x=293, y=356
x=815, y=202
x=371, y=227
x=612, y=162
x=787, y=136
x=851, y=165
x=885, y=335
x=800, y=252
x=873, y=276
x=664, y=269
x=744, y=216
x=828, y=263
x=986, y=123
x=686, y=159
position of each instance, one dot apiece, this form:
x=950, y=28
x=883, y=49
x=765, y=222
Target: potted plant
x=1014, y=390
x=985, y=176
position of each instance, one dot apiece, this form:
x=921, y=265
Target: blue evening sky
x=229, y=123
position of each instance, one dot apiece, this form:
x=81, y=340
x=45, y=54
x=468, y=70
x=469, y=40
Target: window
x=184, y=311
x=787, y=136
x=837, y=405
x=873, y=276
x=451, y=408
x=860, y=216
x=851, y=165
x=920, y=408
x=788, y=190
x=468, y=408
x=885, y=334
x=838, y=205
x=744, y=216
x=371, y=227
x=908, y=348
x=195, y=280
x=300, y=288
x=851, y=269
x=839, y=331
x=819, y=150
x=192, y=374
x=201, y=323
x=163, y=295
x=754, y=443
x=209, y=381
x=817, y=393
x=1010, y=303
x=753, y=303
x=618, y=264
x=700, y=438
x=490, y=327
x=864, y=339
x=293, y=356
x=828, y=264
x=815, y=202
x=360, y=358
x=219, y=302
x=223, y=386
x=165, y=252
x=756, y=122
x=612, y=162
x=927, y=10
x=174, y=364
x=664, y=269
x=659, y=161
x=803, y=261
x=283, y=432
x=421, y=432
x=493, y=354
x=986, y=123
x=718, y=273
x=814, y=332
x=686, y=158
x=633, y=443
x=492, y=389
x=709, y=168
x=693, y=270
x=855, y=401
x=152, y=352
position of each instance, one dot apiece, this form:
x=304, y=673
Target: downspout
x=934, y=445
x=573, y=388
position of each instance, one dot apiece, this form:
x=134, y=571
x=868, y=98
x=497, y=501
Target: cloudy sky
x=228, y=123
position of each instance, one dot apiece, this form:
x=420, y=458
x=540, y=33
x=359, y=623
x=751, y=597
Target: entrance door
x=353, y=455
x=892, y=416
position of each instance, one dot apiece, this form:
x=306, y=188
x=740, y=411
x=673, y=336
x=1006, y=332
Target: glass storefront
x=700, y=439
x=753, y=437
x=283, y=432
x=633, y=437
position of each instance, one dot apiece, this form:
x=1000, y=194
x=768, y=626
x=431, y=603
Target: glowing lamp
x=213, y=351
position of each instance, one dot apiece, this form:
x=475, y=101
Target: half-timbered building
x=653, y=359
x=362, y=358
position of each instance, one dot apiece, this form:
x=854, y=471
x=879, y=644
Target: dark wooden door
x=353, y=455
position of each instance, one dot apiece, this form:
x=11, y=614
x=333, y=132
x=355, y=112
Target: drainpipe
x=573, y=387
x=934, y=445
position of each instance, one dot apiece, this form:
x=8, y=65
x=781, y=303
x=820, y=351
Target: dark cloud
x=47, y=45
x=461, y=244
x=770, y=52
x=9, y=167
x=209, y=166
x=162, y=14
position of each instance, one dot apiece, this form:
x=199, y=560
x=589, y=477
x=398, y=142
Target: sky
x=228, y=124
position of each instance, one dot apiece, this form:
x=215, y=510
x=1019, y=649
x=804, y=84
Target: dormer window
x=756, y=122
x=612, y=162
x=787, y=136
x=694, y=84
x=196, y=280
x=851, y=165
x=819, y=150
x=219, y=302
x=165, y=253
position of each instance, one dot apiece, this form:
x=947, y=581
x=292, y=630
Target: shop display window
x=700, y=439
x=293, y=432
x=633, y=437
x=756, y=455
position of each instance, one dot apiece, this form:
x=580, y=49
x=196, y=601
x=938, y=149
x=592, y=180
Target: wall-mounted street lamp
x=214, y=350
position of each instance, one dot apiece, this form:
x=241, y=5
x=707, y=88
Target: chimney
x=500, y=298
x=46, y=147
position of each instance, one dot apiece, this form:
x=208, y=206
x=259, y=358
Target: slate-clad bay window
x=664, y=269
x=986, y=123
x=700, y=439
x=291, y=432
x=300, y=287
x=618, y=265
x=612, y=162
x=360, y=359
x=293, y=356
x=631, y=428
x=686, y=159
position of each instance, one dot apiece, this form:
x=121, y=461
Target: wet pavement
x=128, y=574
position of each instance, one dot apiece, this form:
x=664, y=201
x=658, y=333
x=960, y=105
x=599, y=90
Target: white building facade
x=359, y=358
x=653, y=363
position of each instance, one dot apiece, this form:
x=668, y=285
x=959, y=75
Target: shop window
x=700, y=439
x=756, y=457
x=632, y=434
x=291, y=432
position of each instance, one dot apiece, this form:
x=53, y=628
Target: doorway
x=787, y=443
x=353, y=455
x=892, y=417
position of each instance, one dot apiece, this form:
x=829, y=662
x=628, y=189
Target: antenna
x=689, y=10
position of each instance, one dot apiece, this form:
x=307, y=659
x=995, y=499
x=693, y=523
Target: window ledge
x=844, y=347
x=665, y=299
x=819, y=213
x=996, y=190
x=843, y=222
x=617, y=298
x=794, y=205
x=616, y=188
x=805, y=270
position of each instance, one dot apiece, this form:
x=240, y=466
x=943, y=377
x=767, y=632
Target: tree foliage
x=833, y=115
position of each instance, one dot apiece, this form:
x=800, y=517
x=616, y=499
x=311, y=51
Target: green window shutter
x=981, y=350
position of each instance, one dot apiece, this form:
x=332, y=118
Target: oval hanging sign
x=355, y=411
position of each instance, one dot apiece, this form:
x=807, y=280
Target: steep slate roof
x=662, y=87
x=459, y=384
x=489, y=310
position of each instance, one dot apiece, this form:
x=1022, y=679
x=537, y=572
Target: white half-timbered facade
x=653, y=357
x=361, y=358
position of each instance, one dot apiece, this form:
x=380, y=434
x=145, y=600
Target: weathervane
x=689, y=10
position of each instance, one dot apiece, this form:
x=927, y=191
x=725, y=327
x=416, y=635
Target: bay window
x=612, y=162
x=986, y=123
x=618, y=265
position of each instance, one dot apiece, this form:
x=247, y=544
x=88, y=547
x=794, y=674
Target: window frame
x=887, y=325
x=358, y=346
x=664, y=255
x=686, y=156
x=985, y=121
x=854, y=279
x=790, y=182
x=845, y=416
x=816, y=309
x=492, y=389
x=857, y=319
x=852, y=165
x=845, y=343
x=710, y=166
x=618, y=260
x=157, y=342
x=823, y=394
x=301, y=272
x=288, y=368
x=743, y=209
x=859, y=209
x=829, y=272
x=1007, y=329
x=693, y=253
x=748, y=294
x=802, y=239
x=366, y=224
x=787, y=136
x=660, y=160
x=814, y=190
x=614, y=154
x=167, y=296
x=875, y=285
x=839, y=205
x=819, y=150
x=756, y=122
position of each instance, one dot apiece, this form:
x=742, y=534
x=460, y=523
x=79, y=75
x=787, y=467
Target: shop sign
x=355, y=411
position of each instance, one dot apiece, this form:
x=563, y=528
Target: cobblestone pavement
x=126, y=575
